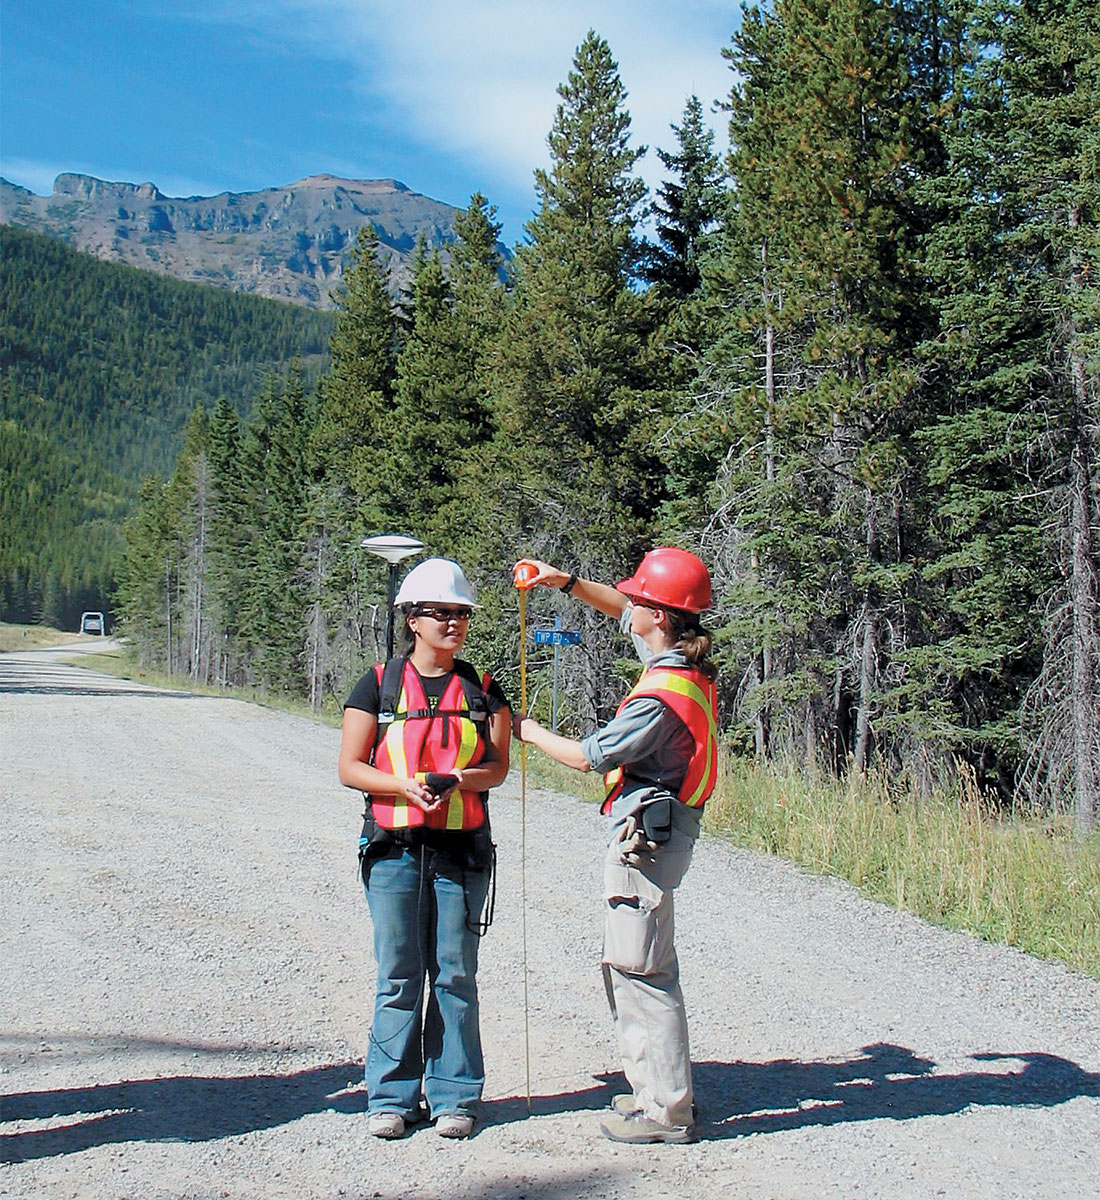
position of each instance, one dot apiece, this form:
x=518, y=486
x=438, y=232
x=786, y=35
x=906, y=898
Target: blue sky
x=206, y=96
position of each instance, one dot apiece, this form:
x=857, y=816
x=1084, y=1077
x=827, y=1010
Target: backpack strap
x=389, y=695
x=474, y=688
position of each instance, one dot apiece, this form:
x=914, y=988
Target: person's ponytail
x=692, y=640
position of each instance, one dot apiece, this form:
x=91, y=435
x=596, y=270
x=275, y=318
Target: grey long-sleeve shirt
x=649, y=737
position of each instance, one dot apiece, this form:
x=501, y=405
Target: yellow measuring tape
x=523, y=573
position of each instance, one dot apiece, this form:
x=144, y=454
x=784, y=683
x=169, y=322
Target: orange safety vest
x=418, y=740
x=693, y=697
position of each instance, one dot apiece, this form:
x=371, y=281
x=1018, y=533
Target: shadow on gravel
x=37, y=678
x=736, y=1099
x=184, y=1108
x=509, y=1109
x=883, y=1082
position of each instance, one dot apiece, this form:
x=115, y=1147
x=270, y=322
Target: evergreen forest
x=101, y=367
x=852, y=359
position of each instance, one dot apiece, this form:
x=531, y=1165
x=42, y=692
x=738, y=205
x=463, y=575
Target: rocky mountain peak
x=87, y=187
x=288, y=243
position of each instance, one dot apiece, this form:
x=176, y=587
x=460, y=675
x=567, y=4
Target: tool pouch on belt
x=656, y=819
x=374, y=841
x=480, y=850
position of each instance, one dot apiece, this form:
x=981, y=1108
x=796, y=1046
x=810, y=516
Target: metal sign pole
x=391, y=592
x=557, y=665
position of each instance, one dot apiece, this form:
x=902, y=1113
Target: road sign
x=556, y=637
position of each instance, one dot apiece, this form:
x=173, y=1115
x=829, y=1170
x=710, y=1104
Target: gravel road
x=187, y=980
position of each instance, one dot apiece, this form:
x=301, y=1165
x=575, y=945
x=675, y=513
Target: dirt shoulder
x=188, y=981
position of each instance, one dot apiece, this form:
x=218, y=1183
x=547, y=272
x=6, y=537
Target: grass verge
x=1026, y=883
x=34, y=637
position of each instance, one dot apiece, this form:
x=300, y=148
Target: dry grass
x=951, y=860
x=34, y=637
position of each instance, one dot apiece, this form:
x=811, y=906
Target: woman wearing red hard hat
x=660, y=758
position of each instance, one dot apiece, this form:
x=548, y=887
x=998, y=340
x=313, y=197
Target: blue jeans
x=422, y=905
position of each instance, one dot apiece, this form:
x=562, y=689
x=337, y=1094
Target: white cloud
x=478, y=80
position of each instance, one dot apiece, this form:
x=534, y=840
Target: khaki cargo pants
x=642, y=976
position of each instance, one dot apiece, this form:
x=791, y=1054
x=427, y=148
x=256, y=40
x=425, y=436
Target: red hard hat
x=672, y=578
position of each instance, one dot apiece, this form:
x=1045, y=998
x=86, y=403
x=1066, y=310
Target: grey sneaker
x=454, y=1125
x=386, y=1125
x=639, y=1129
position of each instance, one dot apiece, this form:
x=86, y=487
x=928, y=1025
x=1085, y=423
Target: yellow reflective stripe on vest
x=454, y=810
x=395, y=746
x=466, y=750
x=700, y=793
x=672, y=681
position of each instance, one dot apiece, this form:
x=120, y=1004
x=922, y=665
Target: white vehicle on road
x=93, y=622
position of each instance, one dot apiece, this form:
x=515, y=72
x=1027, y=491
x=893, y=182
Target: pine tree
x=1052, y=81
x=357, y=393
x=690, y=211
x=144, y=596
x=228, y=521
x=273, y=607
x=477, y=314
x=688, y=207
x=349, y=451
x=574, y=454
x=828, y=136
x=426, y=426
x=1017, y=452
x=190, y=492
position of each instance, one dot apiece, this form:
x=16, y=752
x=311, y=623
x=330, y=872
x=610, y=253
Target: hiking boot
x=386, y=1125
x=454, y=1125
x=625, y=1104
x=640, y=1129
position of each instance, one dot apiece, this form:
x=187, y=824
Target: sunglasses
x=443, y=614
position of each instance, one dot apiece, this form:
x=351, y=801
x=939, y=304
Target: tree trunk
x=766, y=664
x=200, y=662
x=168, y=607
x=316, y=628
x=861, y=753
x=1084, y=584
x=1085, y=607
x=869, y=619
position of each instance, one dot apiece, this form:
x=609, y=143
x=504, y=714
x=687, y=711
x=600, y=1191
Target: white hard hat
x=436, y=581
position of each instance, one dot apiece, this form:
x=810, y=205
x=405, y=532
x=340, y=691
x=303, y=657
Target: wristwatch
x=567, y=586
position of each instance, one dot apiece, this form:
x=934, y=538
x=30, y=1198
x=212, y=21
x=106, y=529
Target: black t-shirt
x=365, y=694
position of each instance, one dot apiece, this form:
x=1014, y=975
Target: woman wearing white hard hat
x=660, y=758
x=425, y=737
